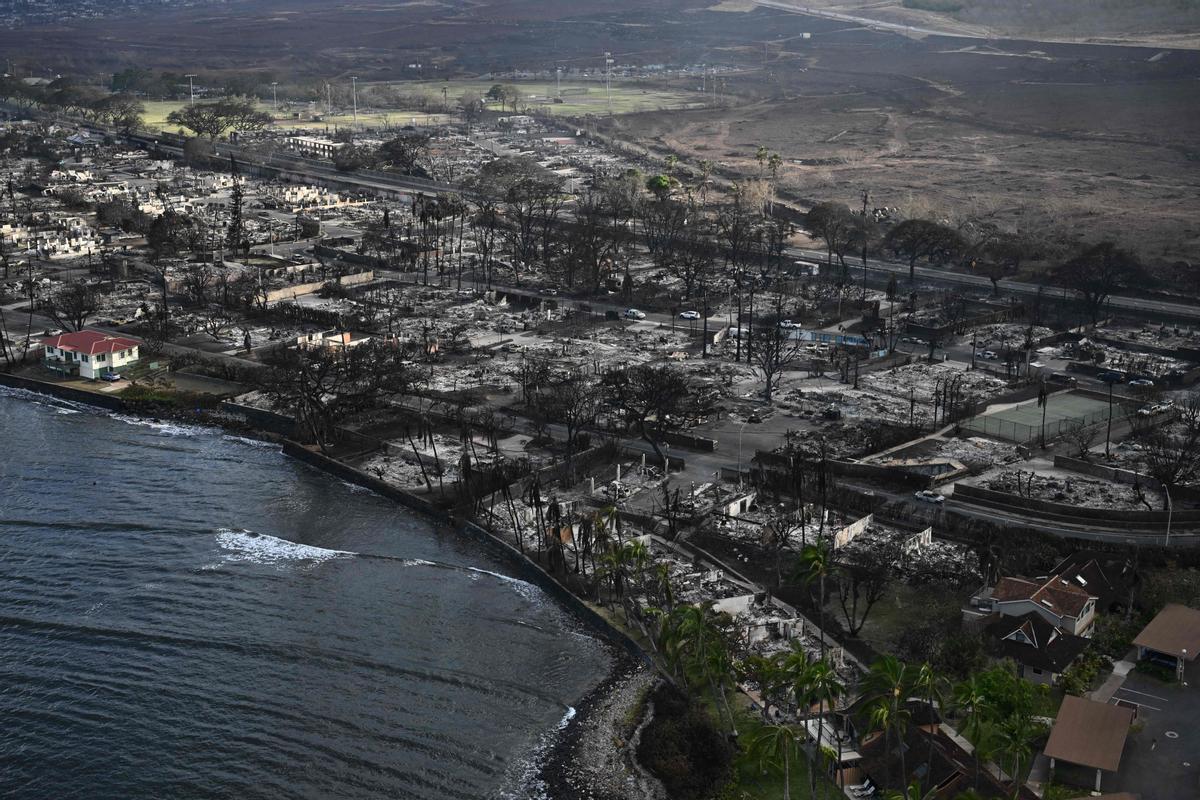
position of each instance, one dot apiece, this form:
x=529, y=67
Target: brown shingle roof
x=1090, y=734
x=1173, y=631
x=1057, y=594
x=1014, y=589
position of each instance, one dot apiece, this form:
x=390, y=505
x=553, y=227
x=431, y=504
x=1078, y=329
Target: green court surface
x=1023, y=423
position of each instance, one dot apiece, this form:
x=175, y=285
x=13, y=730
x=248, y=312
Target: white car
x=689, y=315
x=990, y=355
x=1146, y=411
x=788, y=324
x=927, y=496
x=633, y=313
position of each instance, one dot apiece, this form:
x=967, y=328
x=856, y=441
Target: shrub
x=683, y=748
x=941, y=6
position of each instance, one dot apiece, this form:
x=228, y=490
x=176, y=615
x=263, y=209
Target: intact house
x=89, y=354
x=1057, y=599
x=1041, y=651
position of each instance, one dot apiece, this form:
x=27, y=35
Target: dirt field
x=1086, y=142
x=1168, y=23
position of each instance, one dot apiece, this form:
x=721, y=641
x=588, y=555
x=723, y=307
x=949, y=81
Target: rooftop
x=1174, y=631
x=1090, y=734
x=90, y=342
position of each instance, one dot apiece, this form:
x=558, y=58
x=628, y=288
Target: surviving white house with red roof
x=89, y=354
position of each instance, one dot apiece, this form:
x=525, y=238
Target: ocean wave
x=60, y=405
x=229, y=437
x=523, y=778
x=524, y=588
x=169, y=428
x=261, y=548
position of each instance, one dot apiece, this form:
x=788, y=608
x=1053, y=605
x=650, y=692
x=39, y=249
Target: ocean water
x=187, y=614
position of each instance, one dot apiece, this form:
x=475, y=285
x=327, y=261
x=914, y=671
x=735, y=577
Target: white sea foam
x=522, y=781
x=249, y=441
x=169, y=428
x=527, y=590
x=260, y=548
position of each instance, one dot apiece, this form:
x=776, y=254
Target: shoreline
x=585, y=757
x=590, y=757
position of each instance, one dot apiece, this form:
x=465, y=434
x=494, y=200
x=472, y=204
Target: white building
x=90, y=354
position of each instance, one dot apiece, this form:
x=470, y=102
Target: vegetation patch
x=683, y=748
x=940, y=6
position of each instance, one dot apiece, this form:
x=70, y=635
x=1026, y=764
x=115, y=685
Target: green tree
x=888, y=685
x=776, y=747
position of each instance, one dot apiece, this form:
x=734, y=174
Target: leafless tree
x=72, y=304
x=774, y=350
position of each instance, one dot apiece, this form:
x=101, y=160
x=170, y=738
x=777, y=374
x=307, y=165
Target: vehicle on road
x=549, y=290
x=990, y=355
x=926, y=496
x=754, y=418
x=1146, y=411
x=1062, y=377
x=110, y=377
x=1111, y=377
x=1141, y=382
x=633, y=313
x=689, y=315
x=788, y=324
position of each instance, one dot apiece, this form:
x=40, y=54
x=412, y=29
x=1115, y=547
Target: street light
x=1170, y=512
x=354, y=95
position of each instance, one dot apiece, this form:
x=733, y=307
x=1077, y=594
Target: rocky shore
x=593, y=758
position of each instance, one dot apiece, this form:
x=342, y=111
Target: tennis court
x=1023, y=423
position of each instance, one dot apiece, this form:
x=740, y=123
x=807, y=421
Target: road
x=1182, y=311
x=874, y=24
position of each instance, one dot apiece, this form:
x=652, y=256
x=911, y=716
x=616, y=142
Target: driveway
x=1162, y=760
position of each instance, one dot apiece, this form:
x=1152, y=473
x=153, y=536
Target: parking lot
x=1162, y=759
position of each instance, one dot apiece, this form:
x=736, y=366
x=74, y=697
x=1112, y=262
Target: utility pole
x=275, y=96
x=191, y=90
x=558, y=81
x=354, y=96
x=608, y=62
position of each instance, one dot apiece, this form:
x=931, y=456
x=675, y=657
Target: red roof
x=90, y=342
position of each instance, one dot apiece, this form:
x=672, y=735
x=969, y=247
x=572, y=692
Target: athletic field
x=1023, y=423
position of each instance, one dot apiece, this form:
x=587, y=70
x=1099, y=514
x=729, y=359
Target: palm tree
x=816, y=564
x=696, y=648
x=823, y=687
x=970, y=698
x=1014, y=738
x=775, y=746
x=888, y=685
x=912, y=792
x=931, y=686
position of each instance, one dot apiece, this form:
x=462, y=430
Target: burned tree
x=72, y=304
x=321, y=387
x=917, y=239
x=1097, y=272
x=655, y=400
x=773, y=351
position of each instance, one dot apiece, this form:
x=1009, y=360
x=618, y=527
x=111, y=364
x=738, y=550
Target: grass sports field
x=579, y=99
x=157, y=111
x=1023, y=423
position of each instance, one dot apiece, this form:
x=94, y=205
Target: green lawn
x=579, y=97
x=155, y=117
